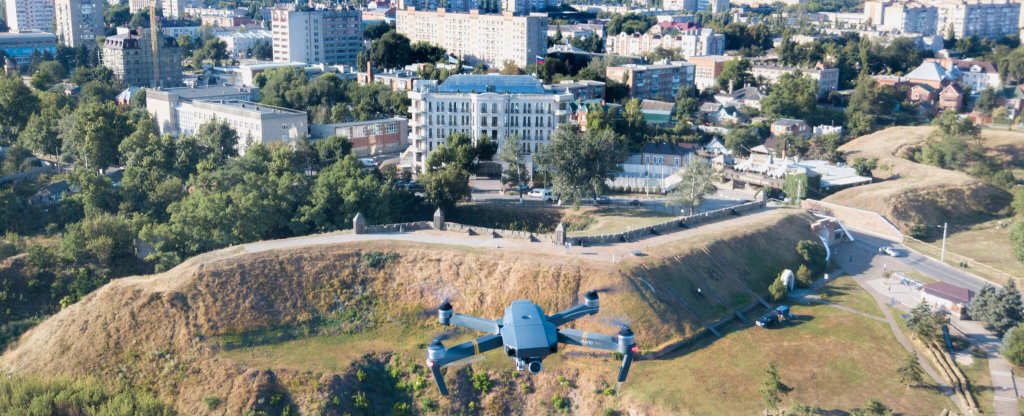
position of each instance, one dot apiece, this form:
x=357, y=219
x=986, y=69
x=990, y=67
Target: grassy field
x=611, y=220
x=988, y=243
x=831, y=358
x=980, y=379
x=845, y=291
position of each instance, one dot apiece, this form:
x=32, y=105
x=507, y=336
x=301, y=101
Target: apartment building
x=130, y=56
x=163, y=104
x=658, y=82
x=492, y=106
x=26, y=15
x=19, y=46
x=316, y=36
x=903, y=17
x=826, y=78
x=254, y=122
x=239, y=43
x=981, y=18
x=479, y=38
x=78, y=22
x=430, y=5
x=707, y=68
x=685, y=38
x=170, y=9
x=714, y=6
x=369, y=138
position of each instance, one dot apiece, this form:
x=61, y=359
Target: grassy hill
x=341, y=329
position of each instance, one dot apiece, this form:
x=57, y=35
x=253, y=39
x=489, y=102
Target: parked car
x=781, y=313
x=602, y=200
x=542, y=193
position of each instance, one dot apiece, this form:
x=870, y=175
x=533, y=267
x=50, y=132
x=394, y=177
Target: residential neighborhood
x=245, y=207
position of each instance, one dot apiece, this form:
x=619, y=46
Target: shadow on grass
x=733, y=326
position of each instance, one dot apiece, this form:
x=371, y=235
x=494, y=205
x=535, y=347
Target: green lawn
x=843, y=290
x=980, y=379
x=832, y=359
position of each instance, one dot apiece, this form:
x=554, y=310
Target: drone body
x=527, y=336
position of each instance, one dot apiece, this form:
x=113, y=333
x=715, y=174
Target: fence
x=499, y=233
x=975, y=267
x=399, y=227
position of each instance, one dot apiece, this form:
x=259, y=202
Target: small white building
x=239, y=43
x=947, y=297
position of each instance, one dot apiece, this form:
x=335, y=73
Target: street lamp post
x=945, y=227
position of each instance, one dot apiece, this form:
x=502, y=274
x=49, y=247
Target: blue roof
x=502, y=84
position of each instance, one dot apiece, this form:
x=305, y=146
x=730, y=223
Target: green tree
x=1006, y=311
x=262, y=50
x=103, y=239
x=735, y=74
x=446, y=185
x=580, y=163
x=42, y=133
x=795, y=95
x=376, y=30
x=687, y=105
x=772, y=389
x=425, y=52
x=634, y=125
x=910, y=372
x=1017, y=240
x=740, y=140
x=392, y=50
x=96, y=192
x=185, y=45
x=865, y=166
x=1013, y=345
x=923, y=322
x=220, y=138
x=868, y=101
x=515, y=173
x=213, y=50
x=777, y=290
x=812, y=253
x=17, y=103
x=330, y=150
x=872, y=408
x=986, y=101
x=486, y=149
x=697, y=182
x=47, y=74
x=93, y=134
x=341, y=191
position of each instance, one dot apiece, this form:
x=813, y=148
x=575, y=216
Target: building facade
x=661, y=81
x=491, y=106
x=254, y=122
x=170, y=9
x=130, y=56
x=369, y=138
x=26, y=15
x=826, y=78
x=479, y=38
x=317, y=36
x=686, y=39
x=707, y=68
x=582, y=90
x=239, y=43
x=19, y=46
x=78, y=22
x=981, y=18
x=163, y=104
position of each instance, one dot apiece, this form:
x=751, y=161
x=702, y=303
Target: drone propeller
x=464, y=362
x=617, y=321
x=444, y=336
x=606, y=289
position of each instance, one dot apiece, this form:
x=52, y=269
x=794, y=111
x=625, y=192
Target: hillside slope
x=914, y=194
x=166, y=331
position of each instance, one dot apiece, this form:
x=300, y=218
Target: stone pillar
x=359, y=223
x=560, y=234
x=438, y=220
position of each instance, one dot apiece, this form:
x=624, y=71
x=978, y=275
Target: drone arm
x=473, y=322
x=572, y=314
x=460, y=352
x=624, y=346
x=588, y=339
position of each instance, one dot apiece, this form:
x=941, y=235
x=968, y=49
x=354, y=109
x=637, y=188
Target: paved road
x=867, y=264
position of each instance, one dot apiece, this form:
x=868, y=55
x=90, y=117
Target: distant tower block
x=438, y=220
x=560, y=235
x=359, y=224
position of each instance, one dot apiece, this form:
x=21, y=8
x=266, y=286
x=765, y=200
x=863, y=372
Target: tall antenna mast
x=154, y=34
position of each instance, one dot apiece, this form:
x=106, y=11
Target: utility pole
x=945, y=226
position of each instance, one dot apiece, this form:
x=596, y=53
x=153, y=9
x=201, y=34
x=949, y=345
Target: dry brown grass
x=912, y=193
x=160, y=330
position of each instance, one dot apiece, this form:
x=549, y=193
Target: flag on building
x=540, y=60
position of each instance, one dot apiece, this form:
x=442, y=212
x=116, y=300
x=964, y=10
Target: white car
x=892, y=252
x=542, y=193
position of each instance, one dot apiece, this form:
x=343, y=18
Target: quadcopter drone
x=527, y=335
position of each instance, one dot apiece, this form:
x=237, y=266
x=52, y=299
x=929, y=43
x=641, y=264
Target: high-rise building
x=479, y=38
x=171, y=9
x=707, y=69
x=130, y=56
x=517, y=7
x=78, y=22
x=25, y=15
x=981, y=18
x=316, y=36
x=491, y=106
x=659, y=82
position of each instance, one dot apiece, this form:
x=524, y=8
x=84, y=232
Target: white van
x=542, y=193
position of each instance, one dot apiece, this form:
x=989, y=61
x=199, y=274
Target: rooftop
x=208, y=91
x=949, y=292
x=502, y=84
x=253, y=107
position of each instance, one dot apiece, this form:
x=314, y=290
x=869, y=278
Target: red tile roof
x=950, y=292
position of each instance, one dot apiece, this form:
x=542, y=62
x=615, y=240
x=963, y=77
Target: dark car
x=767, y=319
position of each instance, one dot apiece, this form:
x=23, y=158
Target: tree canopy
x=579, y=163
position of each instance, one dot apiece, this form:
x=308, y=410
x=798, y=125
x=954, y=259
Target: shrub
x=777, y=290
x=561, y=404
x=359, y=401
x=212, y=402
x=378, y=259
x=804, y=277
x=481, y=382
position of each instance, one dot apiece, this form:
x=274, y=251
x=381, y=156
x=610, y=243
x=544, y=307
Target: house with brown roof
x=951, y=98
x=947, y=297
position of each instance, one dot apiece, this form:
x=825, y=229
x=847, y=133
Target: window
x=483, y=107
